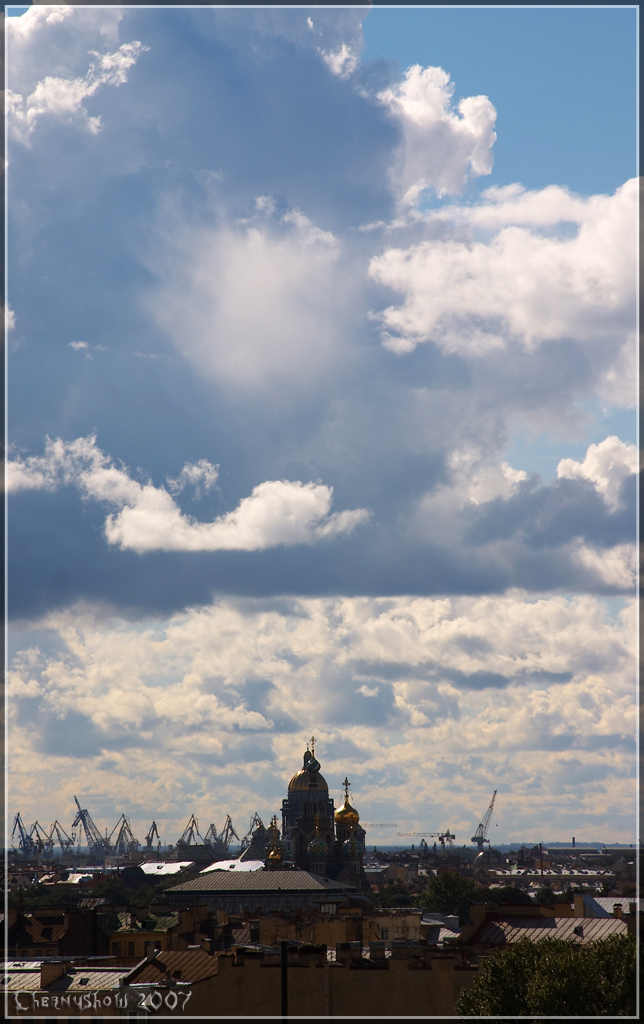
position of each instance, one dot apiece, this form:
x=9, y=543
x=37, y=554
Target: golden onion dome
x=346, y=816
x=308, y=776
x=304, y=780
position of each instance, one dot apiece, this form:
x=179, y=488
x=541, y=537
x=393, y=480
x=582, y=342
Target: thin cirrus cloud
x=277, y=512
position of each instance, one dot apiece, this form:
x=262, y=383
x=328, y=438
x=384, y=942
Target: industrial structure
x=480, y=837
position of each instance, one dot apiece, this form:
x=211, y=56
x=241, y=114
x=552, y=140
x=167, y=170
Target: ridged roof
x=261, y=881
x=498, y=932
x=192, y=964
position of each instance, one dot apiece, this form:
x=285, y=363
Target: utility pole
x=284, y=979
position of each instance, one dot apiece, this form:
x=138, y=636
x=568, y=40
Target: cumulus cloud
x=62, y=98
x=606, y=465
x=276, y=512
x=201, y=475
x=231, y=689
x=523, y=286
x=442, y=149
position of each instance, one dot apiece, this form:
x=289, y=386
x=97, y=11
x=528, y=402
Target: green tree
x=396, y=895
x=555, y=977
x=449, y=894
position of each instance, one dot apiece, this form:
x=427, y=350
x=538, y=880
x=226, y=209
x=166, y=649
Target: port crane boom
x=480, y=837
x=96, y=842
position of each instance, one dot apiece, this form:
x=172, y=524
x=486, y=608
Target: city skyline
x=321, y=420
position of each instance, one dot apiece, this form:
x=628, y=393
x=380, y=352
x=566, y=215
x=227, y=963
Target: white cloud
x=342, y=61
x=276, y=512
x=606, y=465
x=616, y=566
x=442, y=149
x=478, y=480
x=558, y=728
x=256, y=304
x=62, y=98
x=522, y=286
x=201, y=475
x=9, y=318
x=35, y=19
x=79, y=346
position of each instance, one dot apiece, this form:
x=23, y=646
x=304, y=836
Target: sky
x=321, y=391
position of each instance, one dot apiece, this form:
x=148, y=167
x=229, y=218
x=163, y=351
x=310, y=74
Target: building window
x=116, y=948
x=130, y=949
x=384, y=933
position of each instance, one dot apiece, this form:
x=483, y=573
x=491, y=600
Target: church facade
x=315, y=836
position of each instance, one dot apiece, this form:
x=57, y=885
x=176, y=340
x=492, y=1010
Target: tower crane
x=443, y=837
x=97, y=844
x=25, y=842
x=480, y=836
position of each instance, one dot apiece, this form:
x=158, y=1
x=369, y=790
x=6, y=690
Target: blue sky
x=321, y=392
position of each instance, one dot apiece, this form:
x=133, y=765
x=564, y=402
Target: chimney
x=617, y=910
x=632, y=908
x=50, y=972
x=150, y=952
x=573, y=842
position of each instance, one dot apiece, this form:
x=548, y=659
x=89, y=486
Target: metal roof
x=21, y=981
x=603, y=905
x=193, y=965
x=261, y=881
x=496, y=931
x=86, y=979
x=164, y=867
x=234, y=865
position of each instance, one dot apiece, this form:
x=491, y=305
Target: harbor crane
x=64, y=841
x=151, y=834
x=256, y=825
x=443, y=837
x=191, y=834
x=25, y=842
x=98, y=844
x=42, y=841
x=125, y=841
x=480, y=837
x=220, y=841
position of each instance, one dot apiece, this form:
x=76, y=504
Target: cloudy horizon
x=285, y=349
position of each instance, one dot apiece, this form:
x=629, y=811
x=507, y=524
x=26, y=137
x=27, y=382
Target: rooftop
x=261, y=881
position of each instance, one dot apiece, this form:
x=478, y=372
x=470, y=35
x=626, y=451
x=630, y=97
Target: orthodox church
x=315, y=837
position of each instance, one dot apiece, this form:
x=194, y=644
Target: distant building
x=316, y=837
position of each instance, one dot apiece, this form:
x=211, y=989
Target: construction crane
x=125, y=841
x=42, y=842
x=443, y=837
x=480, y=836
x=25, y=842
x=98, y=844
x=64, y=841
x=151, y=834
x=380, y=824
